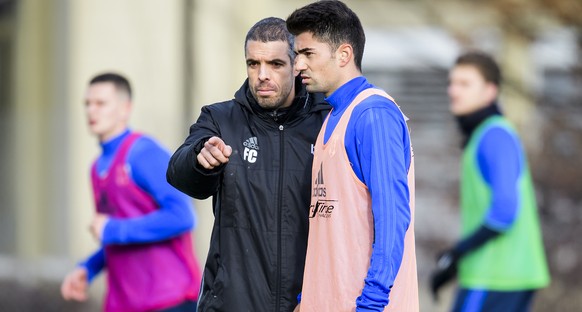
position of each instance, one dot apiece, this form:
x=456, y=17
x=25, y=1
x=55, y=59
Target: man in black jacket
x=253, y=154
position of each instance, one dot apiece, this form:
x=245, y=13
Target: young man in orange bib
x=360, y=253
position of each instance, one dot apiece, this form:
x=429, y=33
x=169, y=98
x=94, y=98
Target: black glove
x=445, y=271
x=447, y=261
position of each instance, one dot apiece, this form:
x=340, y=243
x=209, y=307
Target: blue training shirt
x=378, y=148
x=148, y=162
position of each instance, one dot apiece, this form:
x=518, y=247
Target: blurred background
x=182, y=54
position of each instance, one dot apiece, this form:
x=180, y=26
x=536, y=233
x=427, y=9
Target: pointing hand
x=214, y=153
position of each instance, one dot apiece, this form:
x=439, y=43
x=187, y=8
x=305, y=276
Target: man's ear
x=344, y=54
x=491, y=91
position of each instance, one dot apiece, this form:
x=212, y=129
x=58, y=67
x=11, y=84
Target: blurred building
x=182, y=54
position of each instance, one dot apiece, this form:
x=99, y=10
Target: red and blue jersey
x=147, y=246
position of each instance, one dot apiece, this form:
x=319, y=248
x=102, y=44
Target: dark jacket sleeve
x=184, y=172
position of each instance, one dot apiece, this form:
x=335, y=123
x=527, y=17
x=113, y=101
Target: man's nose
x=263, y=73
x=451, y=90
x=300, y=63
x=89, y=108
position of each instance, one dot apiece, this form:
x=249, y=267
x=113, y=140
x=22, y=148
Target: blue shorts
x=479, y=300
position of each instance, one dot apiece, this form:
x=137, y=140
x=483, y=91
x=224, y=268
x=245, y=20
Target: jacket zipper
x=279, y=221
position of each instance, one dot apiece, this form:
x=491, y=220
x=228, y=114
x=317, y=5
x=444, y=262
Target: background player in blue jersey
x=142, y=223
x=500, y=257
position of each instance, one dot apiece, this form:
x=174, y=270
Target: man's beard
x=271, y=103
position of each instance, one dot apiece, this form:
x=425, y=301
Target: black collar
x=468, y=123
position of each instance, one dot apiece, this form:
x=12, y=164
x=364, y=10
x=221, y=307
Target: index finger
x=216, y=152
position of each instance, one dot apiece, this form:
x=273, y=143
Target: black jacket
x=261, y=199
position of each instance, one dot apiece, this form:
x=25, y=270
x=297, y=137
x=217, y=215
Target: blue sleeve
x=148, y=163
x=499, y=158
x=383, y=150
x=94, y=264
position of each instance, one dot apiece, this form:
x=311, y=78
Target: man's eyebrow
x=277, y=61
x=304, y=50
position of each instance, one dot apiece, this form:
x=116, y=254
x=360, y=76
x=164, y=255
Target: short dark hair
x=330, y=21
x=484, y=63
x=271, y=29
x=121, y=83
